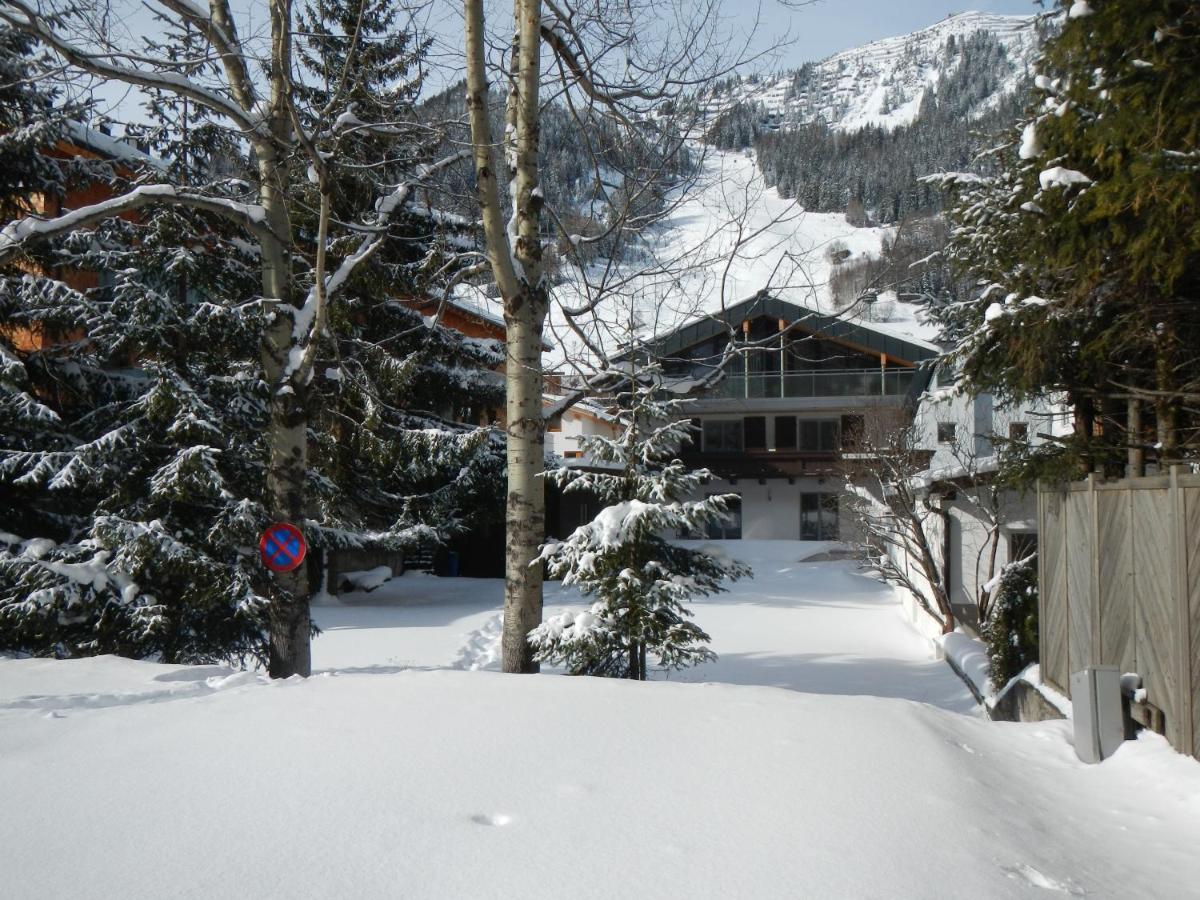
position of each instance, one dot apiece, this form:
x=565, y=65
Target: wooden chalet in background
x=774, y=424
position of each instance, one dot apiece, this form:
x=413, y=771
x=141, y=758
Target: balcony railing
x=817, y=383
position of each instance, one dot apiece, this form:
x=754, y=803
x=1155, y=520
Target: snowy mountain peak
x=884, y=82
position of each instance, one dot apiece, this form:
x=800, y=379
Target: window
x=722, y=435
x=851, y=431
x=818, y=517
x=1018, y=431
x=819, y=435
x=731, y=528
x=756, y=432
x=1021, y=545
x=945, y=432
x=785, y=432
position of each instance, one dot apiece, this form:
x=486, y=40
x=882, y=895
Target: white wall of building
x=977, y=419
x=575, y=423
x=771, y=511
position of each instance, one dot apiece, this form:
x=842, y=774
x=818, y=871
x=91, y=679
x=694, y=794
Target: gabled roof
x=844, y=331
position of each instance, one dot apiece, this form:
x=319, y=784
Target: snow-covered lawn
x=393, y=775
x=820, y=627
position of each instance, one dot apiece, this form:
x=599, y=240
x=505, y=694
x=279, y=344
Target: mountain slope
x=882, y=83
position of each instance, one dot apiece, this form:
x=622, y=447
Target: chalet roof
x=845, y=331
x=109, y=146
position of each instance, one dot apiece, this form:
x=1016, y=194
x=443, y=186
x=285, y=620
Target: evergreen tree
x=136, y=467
x=132, y=476
x=402, y=443
x=32, y=122
x=1011, y=631
x=641, y=580
x=1087, y=243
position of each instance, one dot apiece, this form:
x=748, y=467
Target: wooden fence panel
x=1191, y=497
x=1115, y=534
x=1052, y=624
x=1119, y=577
x=1079, y=580
x=1155, y=622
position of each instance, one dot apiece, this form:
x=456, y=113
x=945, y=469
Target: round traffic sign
x=282, y=547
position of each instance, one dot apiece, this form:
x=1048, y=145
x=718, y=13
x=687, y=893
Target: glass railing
x=817, y=383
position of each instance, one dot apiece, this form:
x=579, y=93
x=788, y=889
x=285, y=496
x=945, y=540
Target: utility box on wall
x=1096, y=706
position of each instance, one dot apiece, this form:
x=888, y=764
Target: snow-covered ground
x=818, y=627
x=390, y=774
x=731, y=236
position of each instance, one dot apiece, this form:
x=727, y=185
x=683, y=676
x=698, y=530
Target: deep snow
x=123, y=778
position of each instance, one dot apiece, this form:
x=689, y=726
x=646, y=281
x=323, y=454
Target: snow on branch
x=310, y=317
x=21, y=231
x=25, y=19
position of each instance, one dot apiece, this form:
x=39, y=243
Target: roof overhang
x=849, y=333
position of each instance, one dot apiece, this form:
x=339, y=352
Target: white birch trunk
x=515, y=254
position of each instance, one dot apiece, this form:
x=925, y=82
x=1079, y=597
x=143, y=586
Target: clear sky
x=812, y=30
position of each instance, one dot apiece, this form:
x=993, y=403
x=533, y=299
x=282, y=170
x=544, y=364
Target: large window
x=852, y=431
x=731, y=529
x=1022, y=545
x=785, y=432
x=818, y=435
x=722, y=435
x=756, y=432
x=806, y=435
x=818, y=517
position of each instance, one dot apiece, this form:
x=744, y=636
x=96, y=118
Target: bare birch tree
x=637, y=67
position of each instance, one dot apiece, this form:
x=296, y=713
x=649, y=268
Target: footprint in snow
x=1032, y=876
x=495, y=819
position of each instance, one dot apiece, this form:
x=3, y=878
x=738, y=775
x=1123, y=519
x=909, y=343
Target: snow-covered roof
x=902, y=349
x=109, y=146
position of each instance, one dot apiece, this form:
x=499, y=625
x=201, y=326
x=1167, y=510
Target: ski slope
x=726, y=237
x=882, y=83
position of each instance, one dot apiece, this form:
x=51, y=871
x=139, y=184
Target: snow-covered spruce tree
x=400, y=452
x=137, y=461
x=1086, y=243
x=640, y=579
x=300, y=270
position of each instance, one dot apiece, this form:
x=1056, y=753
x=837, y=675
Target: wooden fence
x=1119, y=576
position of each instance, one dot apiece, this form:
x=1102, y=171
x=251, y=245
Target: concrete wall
x=573, y=425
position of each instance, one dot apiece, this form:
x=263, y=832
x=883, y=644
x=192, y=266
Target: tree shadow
x=924, y=681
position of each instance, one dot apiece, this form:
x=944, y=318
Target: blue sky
x=814, y=31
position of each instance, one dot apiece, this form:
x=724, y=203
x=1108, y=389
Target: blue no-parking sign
x=282, y=547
